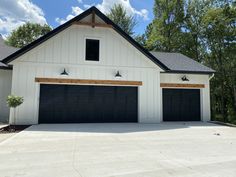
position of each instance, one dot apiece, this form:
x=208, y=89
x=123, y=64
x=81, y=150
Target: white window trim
x=93, y=38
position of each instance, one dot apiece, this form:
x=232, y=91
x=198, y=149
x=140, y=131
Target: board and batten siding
x=5, y=90
x=193, y=79
x=67, y=50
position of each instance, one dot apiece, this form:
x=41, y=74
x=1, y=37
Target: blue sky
x=14, y=13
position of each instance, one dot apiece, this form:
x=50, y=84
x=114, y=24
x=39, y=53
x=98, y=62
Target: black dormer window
x=92, y=50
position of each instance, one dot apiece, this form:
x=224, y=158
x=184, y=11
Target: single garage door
x=181, y=105
x=87, y=104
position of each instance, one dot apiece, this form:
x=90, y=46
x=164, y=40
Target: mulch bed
x=13, y=128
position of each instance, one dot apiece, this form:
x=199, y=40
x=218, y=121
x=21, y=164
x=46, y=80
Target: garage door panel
x=181, y=104
x=85, y=104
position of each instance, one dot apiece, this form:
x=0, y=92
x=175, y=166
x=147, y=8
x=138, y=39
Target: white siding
x=5, y=90
x=193, y=79
x=67, y=49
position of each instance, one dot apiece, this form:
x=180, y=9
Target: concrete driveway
x=120, y=150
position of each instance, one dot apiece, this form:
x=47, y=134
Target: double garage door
x=181, y=105
x=100, y=104
x=87, y=104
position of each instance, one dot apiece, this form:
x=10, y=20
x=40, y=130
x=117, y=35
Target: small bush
x=14, y=101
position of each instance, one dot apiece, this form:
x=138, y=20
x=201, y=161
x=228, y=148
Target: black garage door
x=181, y=105
x=87, y=104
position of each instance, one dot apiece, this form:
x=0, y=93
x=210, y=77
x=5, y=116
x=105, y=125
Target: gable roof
x=179, y=63
x=77, y=18
x=5, y=51
x=169, y=62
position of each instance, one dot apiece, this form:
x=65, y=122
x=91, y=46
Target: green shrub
x=231, y=115
x=14, y=101
x=234, y=122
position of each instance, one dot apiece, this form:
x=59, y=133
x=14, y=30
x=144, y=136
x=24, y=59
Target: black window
x=92, y=50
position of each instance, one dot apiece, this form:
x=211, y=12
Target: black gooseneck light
x=64, y=72
x=118, y=75
x=184, y=78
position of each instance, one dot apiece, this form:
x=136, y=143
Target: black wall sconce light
x=118, y=75
x=64, y=72
x=184, y=78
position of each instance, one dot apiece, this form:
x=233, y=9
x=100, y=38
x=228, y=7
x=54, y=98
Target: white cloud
x=80, y=1
x=74, y=12
x=14, y=13
x=143, y=13
x=87, y=6
x=105, y=7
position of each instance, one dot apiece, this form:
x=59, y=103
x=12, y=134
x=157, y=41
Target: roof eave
x=43, y=38
x=5, y=67
x=188, y=72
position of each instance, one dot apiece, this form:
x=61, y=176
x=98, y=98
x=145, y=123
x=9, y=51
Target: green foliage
x=234, y=121
x=26, y=34
x=143, y=39
x=120, y=17
x=140, y=39
x=204, y=30
x=166, y=28
x=193, y=42
x=14, y=101
x=219, y=24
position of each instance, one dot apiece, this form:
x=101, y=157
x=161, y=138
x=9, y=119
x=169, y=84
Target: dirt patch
x=13, y=129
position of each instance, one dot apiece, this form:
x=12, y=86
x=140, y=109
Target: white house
x=89, y=71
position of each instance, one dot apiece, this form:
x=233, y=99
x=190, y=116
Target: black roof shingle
x=178, y=62
x=5, y=51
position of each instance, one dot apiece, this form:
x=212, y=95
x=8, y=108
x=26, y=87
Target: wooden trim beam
x=93, y=19
x=87, y=81
x=175, y=85
x=93, y=24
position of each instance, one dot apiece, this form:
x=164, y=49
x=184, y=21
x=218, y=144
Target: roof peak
x=78, y=18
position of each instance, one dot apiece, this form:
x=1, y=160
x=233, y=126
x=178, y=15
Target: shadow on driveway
x=117, y=127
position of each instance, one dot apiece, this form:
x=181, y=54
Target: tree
x=167, y=25
x=193, y=43
x=204, y=30
x=220, y=37
x=120, y=17
x=26, y=34
x=142, y=39
x=14, y=102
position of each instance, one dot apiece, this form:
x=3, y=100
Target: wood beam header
x=93, y=24
x=87, y=81
x=175, y=85
x=93, y=19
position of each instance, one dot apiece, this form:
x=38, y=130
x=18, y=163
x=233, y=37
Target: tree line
x=204, y=30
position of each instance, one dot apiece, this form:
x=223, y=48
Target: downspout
x=211, y=76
